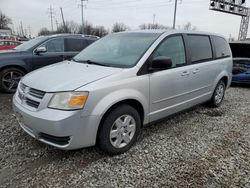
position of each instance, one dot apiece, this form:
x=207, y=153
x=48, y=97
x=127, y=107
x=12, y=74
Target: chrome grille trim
x=30, y=96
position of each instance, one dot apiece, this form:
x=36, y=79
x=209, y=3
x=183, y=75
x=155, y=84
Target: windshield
x=29, y=44
x=118, y=50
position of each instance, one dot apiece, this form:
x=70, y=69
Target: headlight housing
x=68, y=100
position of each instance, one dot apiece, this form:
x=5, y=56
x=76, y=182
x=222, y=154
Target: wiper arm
x=90, y=62
x=95, y=63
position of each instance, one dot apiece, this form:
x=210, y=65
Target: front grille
x=36, y=93
x=30, y=96
x=32, y=103
x=55, y=139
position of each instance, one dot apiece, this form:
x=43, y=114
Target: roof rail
x=72, y=34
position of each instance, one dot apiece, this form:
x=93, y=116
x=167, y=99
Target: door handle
x=185, y=73
x=196, y=71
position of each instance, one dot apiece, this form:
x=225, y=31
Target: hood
x=66, y=76
x=10, y=53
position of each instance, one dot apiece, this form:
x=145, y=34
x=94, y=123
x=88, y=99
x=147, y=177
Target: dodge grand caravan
x=110, y=90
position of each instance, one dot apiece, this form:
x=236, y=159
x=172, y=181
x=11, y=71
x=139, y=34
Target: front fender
x=13, y=63
x=120, y=95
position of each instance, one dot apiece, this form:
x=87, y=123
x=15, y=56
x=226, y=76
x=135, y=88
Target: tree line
x=90, y=29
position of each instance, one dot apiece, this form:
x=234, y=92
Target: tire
x=9, y=79
x=218, y=95
x=119, y=130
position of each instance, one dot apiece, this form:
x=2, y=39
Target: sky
x=34, y=14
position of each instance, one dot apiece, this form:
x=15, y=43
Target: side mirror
x=161, y=63
x=40, y=50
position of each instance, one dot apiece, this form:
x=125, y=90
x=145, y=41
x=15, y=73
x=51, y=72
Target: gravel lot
x=199, y=148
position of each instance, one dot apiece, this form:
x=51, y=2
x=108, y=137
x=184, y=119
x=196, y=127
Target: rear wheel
x=218, y=95
x=9, y=79
x=119, y=130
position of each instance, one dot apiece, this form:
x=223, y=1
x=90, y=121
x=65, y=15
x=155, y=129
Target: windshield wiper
x=90, y=62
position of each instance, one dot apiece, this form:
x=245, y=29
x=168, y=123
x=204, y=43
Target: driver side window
x=173, y=48
x=54, y=45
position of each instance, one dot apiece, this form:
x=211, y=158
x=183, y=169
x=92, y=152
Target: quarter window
x=75, y=45
x=173, y=48
x=221, y=47
x=200, y=48
x=54, y=45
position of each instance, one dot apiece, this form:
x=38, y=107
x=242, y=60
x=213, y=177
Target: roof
x=240, y=42
x=172, y=31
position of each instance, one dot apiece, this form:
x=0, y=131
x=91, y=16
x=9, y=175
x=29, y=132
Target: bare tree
x=4, y=21
x=153, y=26
x=189, y=26
x=100, y=31
x=118, y=27
x=44, y=31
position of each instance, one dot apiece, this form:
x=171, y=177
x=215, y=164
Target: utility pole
x=175, y=10
x=29, y=31
x=51, y=13
x=57, y=24
x=21, y=28
x=64, y=26
x=153, y=19
x=82, y=14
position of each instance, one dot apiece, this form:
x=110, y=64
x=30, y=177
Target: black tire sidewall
x=103, y=139
x=2, y=73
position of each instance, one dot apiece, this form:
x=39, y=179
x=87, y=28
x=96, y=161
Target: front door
x=170, y=89
x=54, y=53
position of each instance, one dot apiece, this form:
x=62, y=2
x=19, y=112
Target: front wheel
x=218, y=95
x=119, y=130
x=9, y=79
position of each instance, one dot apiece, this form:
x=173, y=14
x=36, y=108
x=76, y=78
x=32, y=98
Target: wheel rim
x=11, y=79
x=122, y=131
x=219, y=93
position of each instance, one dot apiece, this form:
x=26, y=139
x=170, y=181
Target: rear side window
x=221, y=47
x=200, y=48
x=90, y=41
x=75, y=45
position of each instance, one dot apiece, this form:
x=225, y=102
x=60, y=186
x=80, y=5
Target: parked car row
x=37, y=53
x=8, y=44
x=117, y=85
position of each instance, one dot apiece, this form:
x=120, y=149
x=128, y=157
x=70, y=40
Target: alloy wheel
x=122, y=131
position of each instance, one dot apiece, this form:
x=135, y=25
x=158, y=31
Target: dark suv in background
x=37, y=53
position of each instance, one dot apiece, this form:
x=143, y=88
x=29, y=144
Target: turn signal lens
x=77, y=101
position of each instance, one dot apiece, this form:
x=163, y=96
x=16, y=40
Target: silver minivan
x=114, y=87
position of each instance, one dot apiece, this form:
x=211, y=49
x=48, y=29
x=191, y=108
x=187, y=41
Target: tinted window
x=221, y=47
x=173, y=48
x=54, y=45
x=200, y=47
x=90, y=41
x=75, y=45
x=1, y=43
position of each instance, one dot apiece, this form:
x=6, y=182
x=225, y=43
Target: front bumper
x=62, y=129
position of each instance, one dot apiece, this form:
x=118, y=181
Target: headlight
x=68, y=100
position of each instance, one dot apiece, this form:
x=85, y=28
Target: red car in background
x=8, y=44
